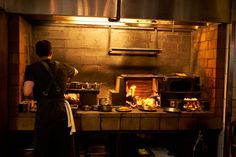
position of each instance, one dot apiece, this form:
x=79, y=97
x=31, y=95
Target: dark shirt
x=37, y=73
x=51, y=130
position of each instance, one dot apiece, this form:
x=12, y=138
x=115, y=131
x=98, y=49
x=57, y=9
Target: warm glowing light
x=93, y=21
x=132, y=89
x=196, y=27
x=124, y=22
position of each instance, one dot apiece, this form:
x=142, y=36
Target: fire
x=132, y=90
x=137, y=101
x=192, y=104
x=150, y=102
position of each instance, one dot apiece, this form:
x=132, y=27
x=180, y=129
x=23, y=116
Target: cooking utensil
x=106, y=108
x=124, y=109
x=95, y=107
x=172, y=110
x=95, y=85
x=147, y=108
x=86, y=107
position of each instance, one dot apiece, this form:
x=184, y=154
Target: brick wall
x=208, y=60
x=19, y=41
x=87, y=49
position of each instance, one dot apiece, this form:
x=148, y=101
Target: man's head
x=43, y=48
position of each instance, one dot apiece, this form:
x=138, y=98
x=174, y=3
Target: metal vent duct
x=178, y=10
x=88, y=8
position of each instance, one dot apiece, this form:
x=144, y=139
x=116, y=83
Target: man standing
x=45, y=81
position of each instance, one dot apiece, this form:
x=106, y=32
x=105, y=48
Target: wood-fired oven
x=177, y=87
x=145, y=85
x=167, y=87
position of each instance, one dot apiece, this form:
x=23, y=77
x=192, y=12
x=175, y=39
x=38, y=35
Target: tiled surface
x=139, y=120
x=135, y=120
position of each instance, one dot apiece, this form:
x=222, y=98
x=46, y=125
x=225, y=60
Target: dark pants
x=52, y=140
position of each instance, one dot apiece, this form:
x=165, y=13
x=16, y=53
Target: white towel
x=71, y=122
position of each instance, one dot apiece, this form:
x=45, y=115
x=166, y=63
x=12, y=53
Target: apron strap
x=53, y=81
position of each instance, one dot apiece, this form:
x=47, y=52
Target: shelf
x=134, y=51
x=95, y=91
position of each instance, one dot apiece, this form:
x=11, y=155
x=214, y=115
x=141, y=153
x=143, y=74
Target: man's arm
x=28, y=88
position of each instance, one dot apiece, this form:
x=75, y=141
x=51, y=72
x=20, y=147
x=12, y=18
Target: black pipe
x=117, y=18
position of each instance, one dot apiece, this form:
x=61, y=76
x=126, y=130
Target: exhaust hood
x=127, y=13
x=177, y=10
x=87, y=8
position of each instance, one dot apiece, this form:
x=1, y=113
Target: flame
x=146, y=102
x=139, y=101
x=132, y=90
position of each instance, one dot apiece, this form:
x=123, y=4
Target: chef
x=45, y=81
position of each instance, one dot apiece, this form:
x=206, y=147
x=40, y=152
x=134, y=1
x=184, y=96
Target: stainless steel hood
x=178, y=10
x=88, y=8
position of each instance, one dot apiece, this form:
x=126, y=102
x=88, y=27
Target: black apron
x=51, y=131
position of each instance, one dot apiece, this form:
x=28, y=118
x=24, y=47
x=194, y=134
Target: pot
x=106, y=108
x=95, y=107
x=86, y=107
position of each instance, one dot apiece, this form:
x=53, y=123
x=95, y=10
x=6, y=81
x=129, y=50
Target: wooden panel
x=169, y=124
x=147, y=123
x=22, y=123
x=90, y=122
x=130, y=121
x=187, y=123
x=110, y=123
x=211, y=123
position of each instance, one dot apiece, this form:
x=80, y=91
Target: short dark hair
x=43, y=48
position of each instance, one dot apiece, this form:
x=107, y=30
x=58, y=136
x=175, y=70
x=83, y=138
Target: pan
x=172, y=110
